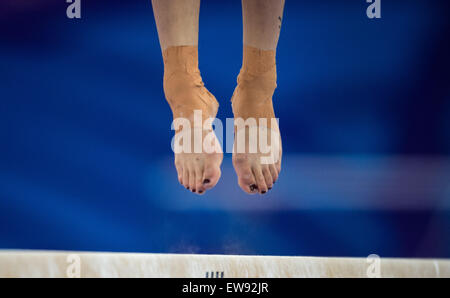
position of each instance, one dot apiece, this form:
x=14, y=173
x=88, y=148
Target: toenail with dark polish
x=263, y=192
x=206, y=181
x=253, y=187
x=200, y=191
x=193, y=190
x=270, y=188
x=187, y=187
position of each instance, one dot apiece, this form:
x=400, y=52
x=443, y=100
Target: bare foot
x=186, y=94
x=257, y=170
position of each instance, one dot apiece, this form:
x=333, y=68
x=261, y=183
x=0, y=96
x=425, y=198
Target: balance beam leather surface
x=86, y=264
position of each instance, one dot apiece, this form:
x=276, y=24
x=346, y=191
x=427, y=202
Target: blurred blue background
x=364, y=108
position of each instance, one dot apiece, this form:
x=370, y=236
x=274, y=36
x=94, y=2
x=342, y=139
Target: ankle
x=182, y=59
x=257, y=82
x=183, y=85
x=181, y=67
x=258, y=62
x=259, y=71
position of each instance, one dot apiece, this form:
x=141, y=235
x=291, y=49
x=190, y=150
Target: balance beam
x=86, y=264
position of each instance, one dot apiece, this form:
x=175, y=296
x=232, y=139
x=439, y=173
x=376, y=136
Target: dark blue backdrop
x=85, y=160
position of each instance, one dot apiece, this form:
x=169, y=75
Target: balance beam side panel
x=85, y=264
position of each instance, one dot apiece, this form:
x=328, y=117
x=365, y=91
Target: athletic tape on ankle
x=256, y=61
x=183, y=85
x=256, y=84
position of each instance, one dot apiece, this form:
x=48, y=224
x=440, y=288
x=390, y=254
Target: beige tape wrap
x=183, y=85
x=256, y=84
